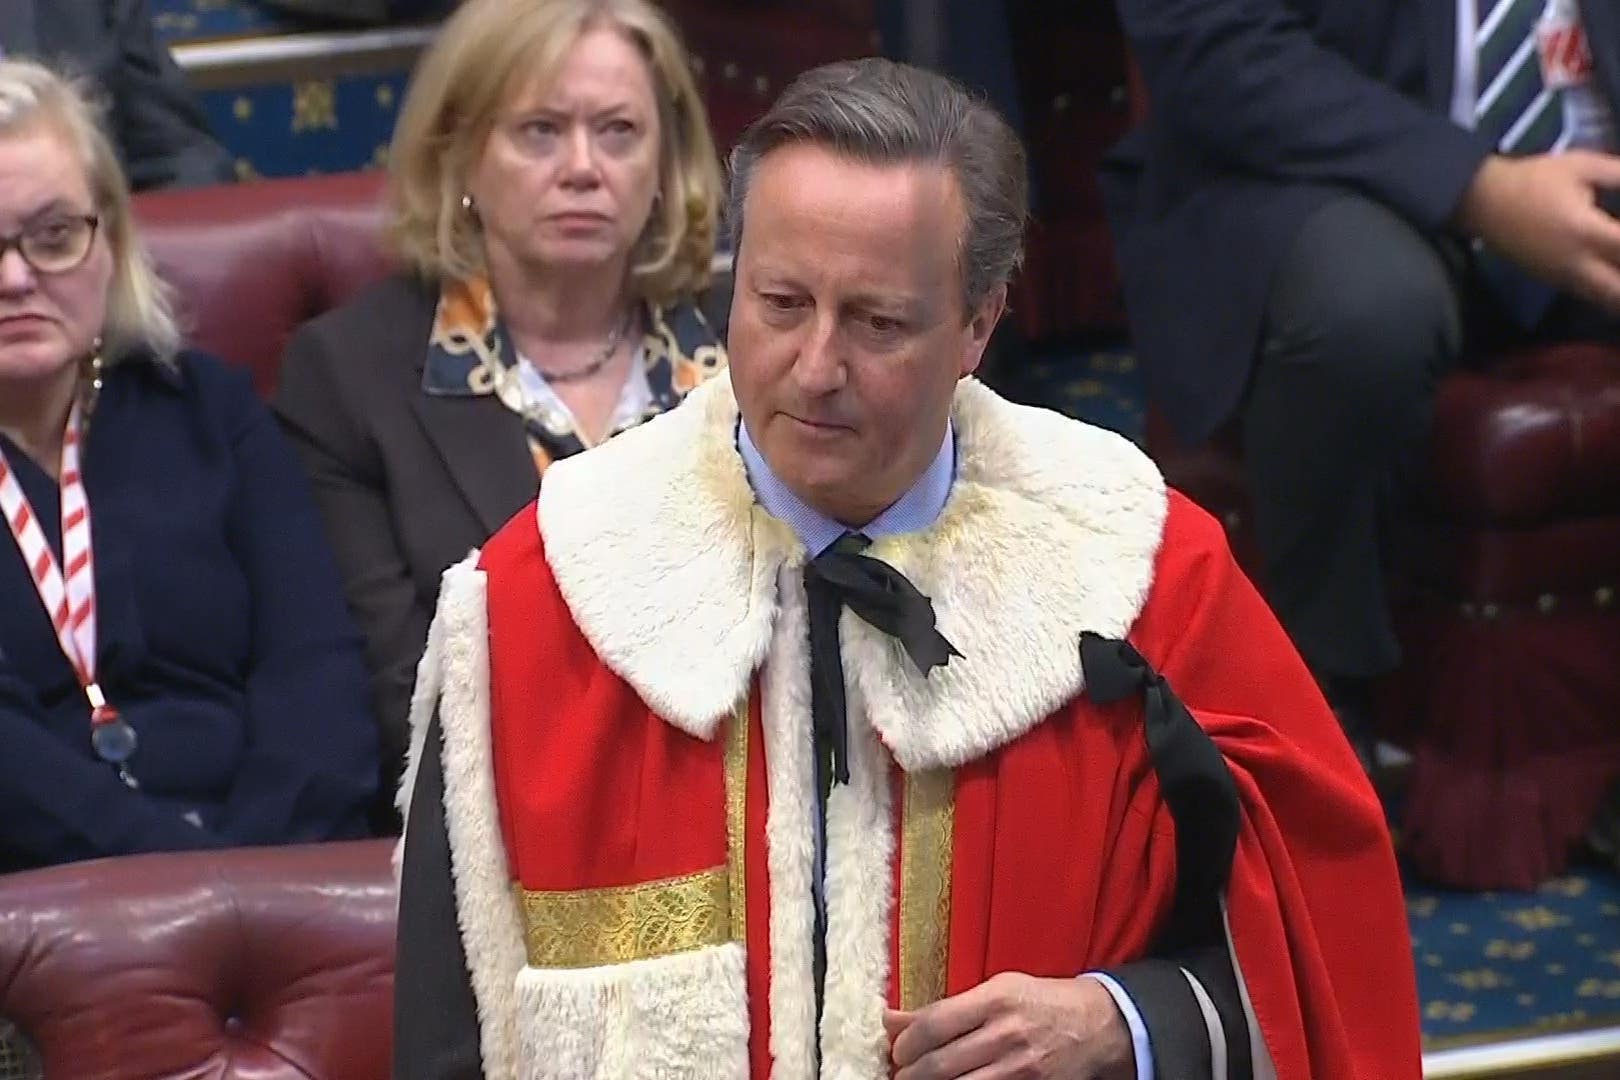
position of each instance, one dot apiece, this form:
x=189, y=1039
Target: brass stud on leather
x=1546, y=603
x=729, y=72
x=762, y=85
x=1467, y=610
x=1489, y=611
x=1604, y=596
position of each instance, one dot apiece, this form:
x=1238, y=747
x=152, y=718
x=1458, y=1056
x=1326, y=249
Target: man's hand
x=1015, y=1026
x=1542, y=213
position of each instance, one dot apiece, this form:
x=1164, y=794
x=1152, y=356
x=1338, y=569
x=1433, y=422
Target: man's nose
x=820, y=367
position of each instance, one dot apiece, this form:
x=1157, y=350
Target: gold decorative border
x=737, y=820
x=583, y=928
x=928, y=823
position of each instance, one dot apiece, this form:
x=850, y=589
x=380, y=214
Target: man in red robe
x=851, y=721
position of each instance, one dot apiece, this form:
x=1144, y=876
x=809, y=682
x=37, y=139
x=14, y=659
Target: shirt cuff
x=1133, y=1020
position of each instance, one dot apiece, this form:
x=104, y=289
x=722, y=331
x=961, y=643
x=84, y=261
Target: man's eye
x=883, y=324
x=780, y=301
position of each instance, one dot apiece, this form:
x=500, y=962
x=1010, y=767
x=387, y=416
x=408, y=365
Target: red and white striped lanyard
x=69, y=599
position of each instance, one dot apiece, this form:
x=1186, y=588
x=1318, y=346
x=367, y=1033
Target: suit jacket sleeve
x=309, y=771
x=162, y=134
x=1316, y=926
x=345, y=468
x=435, y=1012
x=1247, y=84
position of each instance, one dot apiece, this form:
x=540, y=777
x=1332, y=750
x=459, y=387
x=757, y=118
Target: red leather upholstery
x=251, y=263
x=269, y=962
x=1536, y=438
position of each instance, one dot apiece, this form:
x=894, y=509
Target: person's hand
x=1542, y=212
x=1015, y=1026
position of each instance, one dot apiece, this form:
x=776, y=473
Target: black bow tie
x=883, y=597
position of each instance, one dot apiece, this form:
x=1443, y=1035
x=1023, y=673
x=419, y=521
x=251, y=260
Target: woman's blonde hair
x=140, y=313
x=487, y=51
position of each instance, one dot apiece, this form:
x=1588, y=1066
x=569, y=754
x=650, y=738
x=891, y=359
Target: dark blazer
x=1261, y=111
x=161, y=133
x=408, y=482
x=221, y=637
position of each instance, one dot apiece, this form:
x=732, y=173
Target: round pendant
x=114, y=742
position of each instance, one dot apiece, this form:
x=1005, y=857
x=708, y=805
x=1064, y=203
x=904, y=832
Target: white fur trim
x=679, y=1017
x=657, y=542
x=1051, y=528
x=860, y=900
x=491, y=930
x=790, y=835
x=424, y=700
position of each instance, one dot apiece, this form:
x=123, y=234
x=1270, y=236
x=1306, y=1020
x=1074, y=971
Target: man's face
x=848, y=333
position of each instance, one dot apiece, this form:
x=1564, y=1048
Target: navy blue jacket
x=223, y=639
x=1259, y=112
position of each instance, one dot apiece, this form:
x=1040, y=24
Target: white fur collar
x=670, y=568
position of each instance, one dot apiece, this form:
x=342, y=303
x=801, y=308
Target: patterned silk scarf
x=470, y=354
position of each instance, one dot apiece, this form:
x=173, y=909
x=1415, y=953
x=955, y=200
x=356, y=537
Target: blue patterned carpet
x=214, y=20
x=1493, y=964
x=313, y=126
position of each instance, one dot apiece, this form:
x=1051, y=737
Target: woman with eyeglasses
x=177, y=667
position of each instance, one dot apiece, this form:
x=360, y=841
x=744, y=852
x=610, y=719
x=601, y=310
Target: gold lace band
x=581, y=928
x=927, y=825
x=590, y=927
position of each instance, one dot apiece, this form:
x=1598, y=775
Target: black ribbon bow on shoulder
x=1193, y=777
x=881, y=595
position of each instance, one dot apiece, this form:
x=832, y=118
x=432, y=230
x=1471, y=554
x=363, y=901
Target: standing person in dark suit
x=1324, y=193
x=555, y=193
x=161, y=134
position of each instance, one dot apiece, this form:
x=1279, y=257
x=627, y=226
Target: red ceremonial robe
x=632, y=862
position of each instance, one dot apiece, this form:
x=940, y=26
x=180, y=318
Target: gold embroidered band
x=581, y=928
x=927, y=824
x=737, y=820
x=588, y=927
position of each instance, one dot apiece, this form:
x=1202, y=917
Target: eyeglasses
x=55, y=245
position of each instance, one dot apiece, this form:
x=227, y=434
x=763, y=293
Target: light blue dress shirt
x=914, y=511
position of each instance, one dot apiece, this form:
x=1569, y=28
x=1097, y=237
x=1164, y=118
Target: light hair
x=879, y=112
x=491, y=49
x=140, y=311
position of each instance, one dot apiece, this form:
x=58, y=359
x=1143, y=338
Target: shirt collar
x=914, y=511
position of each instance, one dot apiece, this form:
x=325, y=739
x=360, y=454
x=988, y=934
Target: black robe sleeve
x=435, y=1013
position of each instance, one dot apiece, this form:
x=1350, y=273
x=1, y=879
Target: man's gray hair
x=879, y=112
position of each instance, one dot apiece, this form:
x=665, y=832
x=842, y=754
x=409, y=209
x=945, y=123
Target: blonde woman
x=554, y=196
x=176, y=666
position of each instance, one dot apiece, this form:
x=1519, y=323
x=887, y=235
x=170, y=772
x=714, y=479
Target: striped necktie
x=1513, y=109
x=1520, y=116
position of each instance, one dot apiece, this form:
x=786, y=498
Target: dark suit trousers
x=1364, y=316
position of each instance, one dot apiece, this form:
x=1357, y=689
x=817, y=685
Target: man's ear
x=981, y=324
